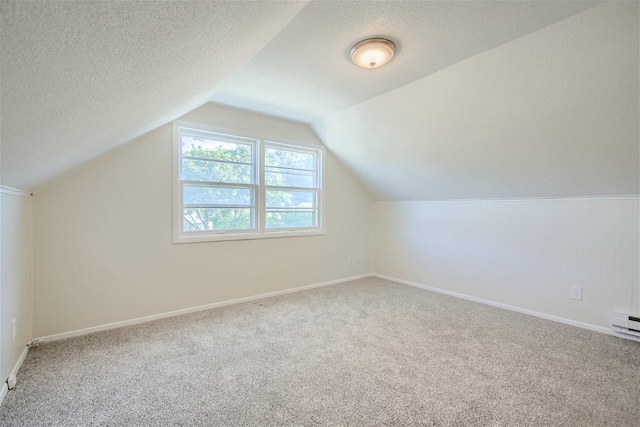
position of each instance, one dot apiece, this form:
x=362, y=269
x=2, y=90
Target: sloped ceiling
x=555, y=113
x=305, y=72
x=484, y=99
x=79, y=78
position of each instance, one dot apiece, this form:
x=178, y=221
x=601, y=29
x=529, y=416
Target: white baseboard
x=18, y=364
x=14, y=372
x=85, y=331
x=511, y=307
x=3, y=392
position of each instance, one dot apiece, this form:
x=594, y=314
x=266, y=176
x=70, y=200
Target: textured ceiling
x=484, y=99
x=555, y=113
x=79, y=78
x=305, y=72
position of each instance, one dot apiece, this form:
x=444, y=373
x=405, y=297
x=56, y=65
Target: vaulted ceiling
x=305, y=72
x=483, y=99
x=553, y=114
x=79, y=78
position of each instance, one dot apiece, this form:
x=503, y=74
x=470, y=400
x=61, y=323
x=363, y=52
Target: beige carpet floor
x=368, y=352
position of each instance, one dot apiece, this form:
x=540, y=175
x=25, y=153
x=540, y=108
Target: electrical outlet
x=13, y=329
x=576, y=293
x=359, y=258
x=349, y=259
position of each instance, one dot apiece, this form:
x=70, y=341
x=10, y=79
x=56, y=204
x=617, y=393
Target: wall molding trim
x=14, y=372
x=513, y=199
x=3, y=392
x=545, y=316
x=114, y=325
x=14, y=191
x=18, y=365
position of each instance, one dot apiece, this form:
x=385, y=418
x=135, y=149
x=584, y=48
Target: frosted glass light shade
x=372, y=53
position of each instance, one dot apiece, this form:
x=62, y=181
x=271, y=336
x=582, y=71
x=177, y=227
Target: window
x=230, y=186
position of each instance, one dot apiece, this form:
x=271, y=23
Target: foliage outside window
x=231, y=186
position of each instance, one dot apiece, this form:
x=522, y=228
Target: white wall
x=16, y=286
x=103, y=237
x=524, y=253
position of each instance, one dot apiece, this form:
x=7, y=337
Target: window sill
x=201, y=238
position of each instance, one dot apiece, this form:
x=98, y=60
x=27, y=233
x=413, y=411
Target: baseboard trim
x=18, y=364
x=3, y=392
x=14, y=371
x=511, y=308
x=90, y=330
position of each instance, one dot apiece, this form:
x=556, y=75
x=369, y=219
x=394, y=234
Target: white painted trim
x=246, y=236
x=18, y=364
x=14, y=372
x=260, y=142
x=3, y=392
x=85, y=331
x=14, y=191
x=511, y=308
x=513, y=199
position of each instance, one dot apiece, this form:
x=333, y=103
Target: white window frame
x=260, y=231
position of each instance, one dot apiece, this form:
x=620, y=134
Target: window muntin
x=239, y=187
x=292, y=177
x=218, y=182
x=212, y=157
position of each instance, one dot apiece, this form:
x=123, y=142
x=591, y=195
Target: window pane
x=203, y=170
x=212, y=148
x=283, y=218
x=289, y=159
x=291, y=199
x=195, y=195
x=289, y=177
x=202, y=219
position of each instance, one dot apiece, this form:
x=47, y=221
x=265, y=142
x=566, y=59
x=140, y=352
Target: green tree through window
x=239, y=172
x=220, y=188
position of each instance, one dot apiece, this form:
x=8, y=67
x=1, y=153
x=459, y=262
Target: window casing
x=231, y=185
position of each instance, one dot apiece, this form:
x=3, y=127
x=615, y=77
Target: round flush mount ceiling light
x=372, y=53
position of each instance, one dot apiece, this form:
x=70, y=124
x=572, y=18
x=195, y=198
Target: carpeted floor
x=368, y=352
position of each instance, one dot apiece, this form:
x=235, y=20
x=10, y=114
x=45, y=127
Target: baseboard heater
x=625, y=324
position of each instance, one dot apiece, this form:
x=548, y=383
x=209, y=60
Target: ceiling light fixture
x=372, y=53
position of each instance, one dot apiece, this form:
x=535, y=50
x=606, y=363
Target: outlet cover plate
x=576, y=293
